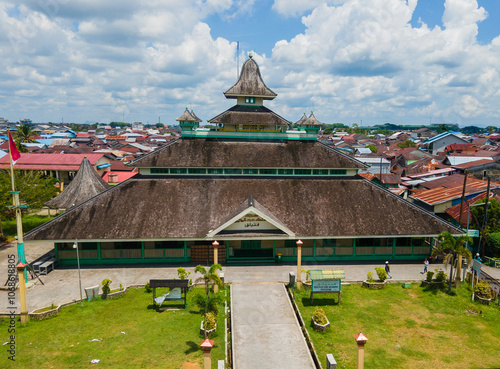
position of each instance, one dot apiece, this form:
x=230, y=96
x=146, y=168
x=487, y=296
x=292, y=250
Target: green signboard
x=332, y=285
x=473, y=233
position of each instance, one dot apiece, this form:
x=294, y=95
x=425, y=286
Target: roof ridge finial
x=250, y=55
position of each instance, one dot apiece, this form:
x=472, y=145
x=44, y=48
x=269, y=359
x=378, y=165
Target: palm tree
x=209, y=276
x=454, y=249
x=25, y=133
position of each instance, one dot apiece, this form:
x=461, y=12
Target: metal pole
x=79, y=275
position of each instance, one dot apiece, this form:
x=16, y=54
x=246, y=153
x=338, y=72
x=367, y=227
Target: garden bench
x=46, y=267
x=177, y=287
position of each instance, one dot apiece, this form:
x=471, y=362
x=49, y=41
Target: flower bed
x=44, y=313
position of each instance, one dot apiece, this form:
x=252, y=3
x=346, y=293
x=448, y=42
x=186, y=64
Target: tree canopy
x=34, y=190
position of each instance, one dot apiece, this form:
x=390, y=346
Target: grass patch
x=406, y=328
x=151, y=339
x=30, y=222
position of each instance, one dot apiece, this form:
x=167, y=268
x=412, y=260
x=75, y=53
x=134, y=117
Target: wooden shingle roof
x=246, y=154
x=190, y=208
x=86, y=184
x=250, y=83
x=249, y=115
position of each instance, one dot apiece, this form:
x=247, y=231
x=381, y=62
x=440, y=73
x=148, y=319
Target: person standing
x=388, y=269
x=426, y=264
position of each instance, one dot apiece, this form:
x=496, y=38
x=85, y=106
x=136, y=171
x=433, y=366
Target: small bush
x=211, y=305
x=209, y=321
x=440, y=275
x=381, y=273
x=182, y=273
x=369, y=277
x=482, y=289
x=308, y=274
x=319, y=316
x=147, y=288
x=105, y=285
x=429, y=276
x=121, y=287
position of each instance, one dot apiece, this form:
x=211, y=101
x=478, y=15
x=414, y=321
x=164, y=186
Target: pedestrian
x=426, y=264
x=478, y=258
x=388, y=269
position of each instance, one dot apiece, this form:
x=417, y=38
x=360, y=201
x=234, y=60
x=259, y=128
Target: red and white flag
x=14, y=152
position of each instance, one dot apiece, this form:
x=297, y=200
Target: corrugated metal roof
x=457, y=160
x=439, y=195
x=50, y=160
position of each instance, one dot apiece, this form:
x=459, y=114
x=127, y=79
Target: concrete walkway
x=265, y=331
x=61, y=285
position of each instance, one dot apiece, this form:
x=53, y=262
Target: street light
x=75, y=246
x=299, y=263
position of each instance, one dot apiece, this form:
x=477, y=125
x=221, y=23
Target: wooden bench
x=46, y=267
x=175, y=286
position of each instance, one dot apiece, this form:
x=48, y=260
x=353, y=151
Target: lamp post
x=299, y=264
x=206, y=346
x=361, y=340
x=75, y=246
x=215, y=244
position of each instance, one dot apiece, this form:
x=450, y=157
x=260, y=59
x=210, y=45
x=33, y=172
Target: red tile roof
x=50, y=161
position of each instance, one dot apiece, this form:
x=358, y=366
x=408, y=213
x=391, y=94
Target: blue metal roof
x=442, y=135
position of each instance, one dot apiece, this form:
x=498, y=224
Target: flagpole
x=17, y=206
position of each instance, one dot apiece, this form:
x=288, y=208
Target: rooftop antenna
x=238, y=59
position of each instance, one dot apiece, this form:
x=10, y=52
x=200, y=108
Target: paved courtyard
x=61, y=285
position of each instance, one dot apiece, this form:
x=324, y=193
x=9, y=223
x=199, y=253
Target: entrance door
x=250, y=244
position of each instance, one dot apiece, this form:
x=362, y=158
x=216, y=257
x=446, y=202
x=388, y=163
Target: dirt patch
x=190, y=365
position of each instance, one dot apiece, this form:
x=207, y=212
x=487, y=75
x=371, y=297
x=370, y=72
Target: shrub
x=105, y=285
x=148, y=289
x=440, y=275
x=482, y=289
x=319, y=316
x=369, y=277
x=210, y=305
x=429, y=276
x=121, y=287
x=308, y=274
x=381, y=273
x=209, y=321
x=182, y=273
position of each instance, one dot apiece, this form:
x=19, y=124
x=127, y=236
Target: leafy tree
x=454, y=249
x=372, y=148
x=491, y=129
x=493, y=221
x=25, y=133
x=328, y=130
x=212, y=301
x=159, y=125
x=494, y=243
x=35, y=189
x=406, y=144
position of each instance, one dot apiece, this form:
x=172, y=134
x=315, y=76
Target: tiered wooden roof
x=250, y=83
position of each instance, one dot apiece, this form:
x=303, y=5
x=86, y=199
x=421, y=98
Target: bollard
x=330, y=362
x=291, y=279
x=220, y=364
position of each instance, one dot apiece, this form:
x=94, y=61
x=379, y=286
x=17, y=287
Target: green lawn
x=151, y=339
x=406, y=328
x=30, y=222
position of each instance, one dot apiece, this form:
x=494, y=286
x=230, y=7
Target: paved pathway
x=265, y=331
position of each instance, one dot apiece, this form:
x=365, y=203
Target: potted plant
x=45, y=312
x=435, y=279
x=483, y=292
x=208, y=325
x=319, y=321
x=380, y=283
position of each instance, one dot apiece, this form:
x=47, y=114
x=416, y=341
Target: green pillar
x=98, y=250
x=142, y=249
x=274, y=249
x=393, y=247
x=185, y=250
x=55, y=250
x=354, y=247
x=314, y=248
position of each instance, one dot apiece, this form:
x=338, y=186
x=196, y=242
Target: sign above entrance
x=250, y=222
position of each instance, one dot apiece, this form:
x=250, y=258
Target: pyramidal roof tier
x=302, y=120
x=84, y=186
x=250, y=83
x=312, y=120
x=188, y=116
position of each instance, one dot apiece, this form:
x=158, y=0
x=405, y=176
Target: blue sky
x=376, y=61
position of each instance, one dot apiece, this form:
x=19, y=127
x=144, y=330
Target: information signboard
x=326, y=285
x=476, y=265
x=473, y=233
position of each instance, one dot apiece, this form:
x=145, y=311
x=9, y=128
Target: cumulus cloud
x=351, y=60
